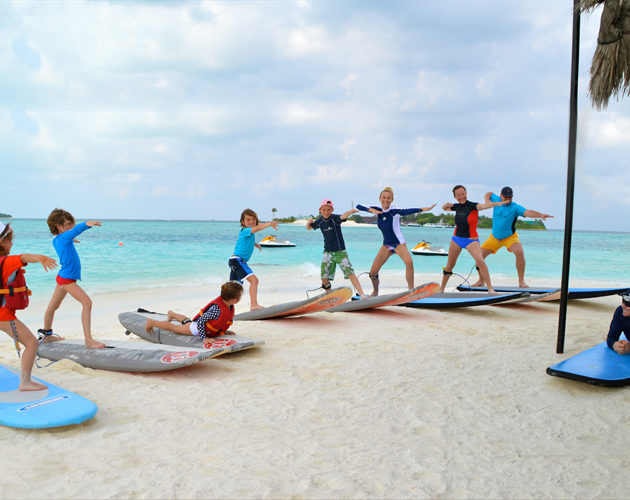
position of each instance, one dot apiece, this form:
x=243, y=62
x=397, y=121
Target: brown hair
x=458, y=187
x=6, y=235
x=251, y=213
x=231, y=290
x=57, y=218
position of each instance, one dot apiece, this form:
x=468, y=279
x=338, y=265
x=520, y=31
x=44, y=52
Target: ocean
x=131, y=255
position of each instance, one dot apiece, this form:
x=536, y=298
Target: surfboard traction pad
x=48, y=408
x=463, y=299
x=134, y=322
x=126, y=356
x=319, y=303
x=392, y=299
x=598, y=365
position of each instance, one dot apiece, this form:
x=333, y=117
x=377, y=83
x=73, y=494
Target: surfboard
x=392, y=299
x=461, y=299
x=51, y=407
x=574, y=293
x=319, y=303
x=126, y=356
x=134, y=322
x=599, y=365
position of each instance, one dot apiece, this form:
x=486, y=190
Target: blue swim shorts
x=239, y=269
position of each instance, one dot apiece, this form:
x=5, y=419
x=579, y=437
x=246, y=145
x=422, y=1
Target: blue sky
x=196, y=110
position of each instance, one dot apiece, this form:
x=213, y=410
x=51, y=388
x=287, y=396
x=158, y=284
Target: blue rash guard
x=331, y=229
x=619, y=324
x=68, y=256
x=389, y=223
x=245, y=244
x=504, y=218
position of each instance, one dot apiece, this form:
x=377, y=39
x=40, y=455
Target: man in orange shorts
x=504, y=231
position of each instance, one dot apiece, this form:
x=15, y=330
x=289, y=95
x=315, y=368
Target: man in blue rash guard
x=504, y=231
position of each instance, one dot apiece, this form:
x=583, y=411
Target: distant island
x=5, y=216
x=449, y=220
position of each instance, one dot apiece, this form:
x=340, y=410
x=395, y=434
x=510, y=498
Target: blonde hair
x=387, y=189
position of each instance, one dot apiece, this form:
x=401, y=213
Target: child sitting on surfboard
x=239, y=269
x=63, y=226
x=393, y=241
x=334, y=246
x=10, y=274
x=212, y=321
x=620, y=324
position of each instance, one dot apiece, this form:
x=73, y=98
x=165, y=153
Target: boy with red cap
x=334, y=246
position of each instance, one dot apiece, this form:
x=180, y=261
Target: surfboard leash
x=15, y=338
x=44, y=334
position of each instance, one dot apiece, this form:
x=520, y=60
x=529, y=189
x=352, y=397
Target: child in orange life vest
x=212, y=321
x=11, y=267
x=62, y=225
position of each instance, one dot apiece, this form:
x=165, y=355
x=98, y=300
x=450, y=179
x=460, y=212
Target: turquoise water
x=156, y=254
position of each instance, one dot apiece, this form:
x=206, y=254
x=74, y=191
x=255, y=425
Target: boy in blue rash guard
x=62, y=225
x=393, y=241
x=334, y=246
x=620, y=323
x=504, y=231
x=239, y=269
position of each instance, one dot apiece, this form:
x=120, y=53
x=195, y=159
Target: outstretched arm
x=47, y=262
x=487, y=197
x=345, y=215
x=536, y=215
x=448, y=207
x=491, y=204
x=265, y=225
x=426, y=209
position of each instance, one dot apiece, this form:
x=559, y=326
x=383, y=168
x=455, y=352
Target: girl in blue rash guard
x=393, y=241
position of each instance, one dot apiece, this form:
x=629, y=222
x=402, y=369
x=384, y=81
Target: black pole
x=568, y=219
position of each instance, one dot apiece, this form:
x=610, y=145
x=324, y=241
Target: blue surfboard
x=599, y=365
x=574, y=293
x=459, y=299
x=51, y=407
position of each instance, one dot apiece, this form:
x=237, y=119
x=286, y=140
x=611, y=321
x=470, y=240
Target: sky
x=197, y=110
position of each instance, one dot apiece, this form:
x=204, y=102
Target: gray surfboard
x=126, y=356
x=134, y=322
x=392, y=299
x=319, y=303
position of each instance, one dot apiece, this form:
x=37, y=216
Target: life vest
x=219, y=326
x=15, y=292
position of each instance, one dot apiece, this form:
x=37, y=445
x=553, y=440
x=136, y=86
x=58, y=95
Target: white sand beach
x=392, y=403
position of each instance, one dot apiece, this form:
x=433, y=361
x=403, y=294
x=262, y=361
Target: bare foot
x=522, y=284
x=94, y=344
x=492, y=291
x=32, y=386
x=478, y=283
x=441, y=290
x=148, y=326
x=256, y=307
x=53, y=338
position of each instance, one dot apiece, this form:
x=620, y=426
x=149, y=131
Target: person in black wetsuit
x=466, y=216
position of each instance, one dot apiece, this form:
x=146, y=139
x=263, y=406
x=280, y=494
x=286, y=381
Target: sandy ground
x=395, y=403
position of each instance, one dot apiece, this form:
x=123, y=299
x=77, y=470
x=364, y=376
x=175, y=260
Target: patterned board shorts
x=330, y=260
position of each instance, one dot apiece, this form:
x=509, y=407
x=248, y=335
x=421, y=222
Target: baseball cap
x=625, y=296
x=507, y=192
x=325, y=202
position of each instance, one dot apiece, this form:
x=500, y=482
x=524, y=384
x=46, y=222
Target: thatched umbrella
x=610, y=75
x=610, y=69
